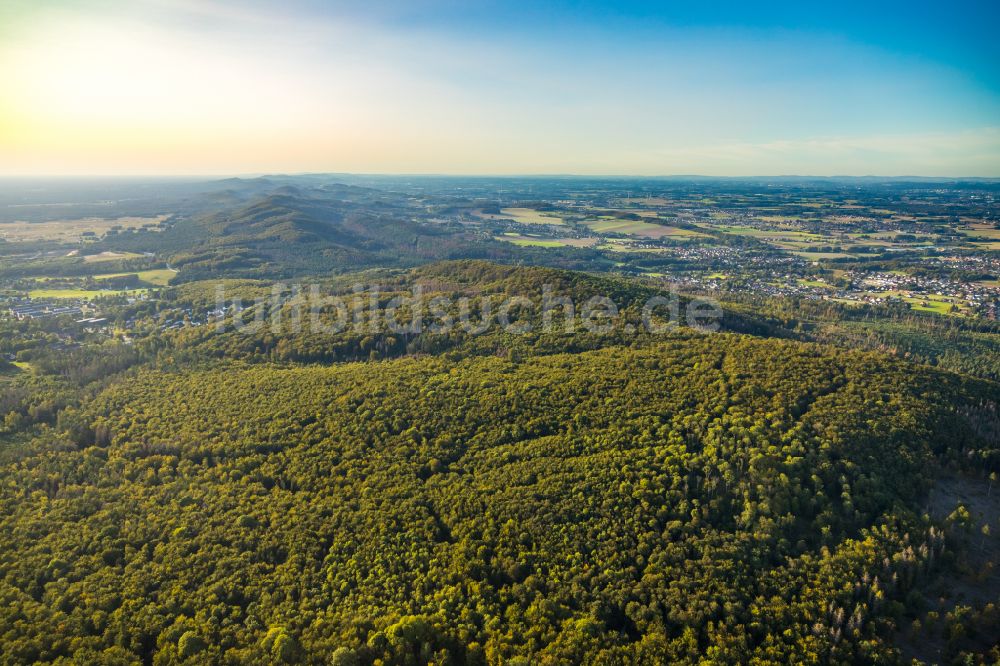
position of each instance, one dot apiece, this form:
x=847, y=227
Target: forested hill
x=255, y=229
x=451, y=281
x=696, y=496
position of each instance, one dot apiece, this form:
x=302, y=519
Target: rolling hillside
x=697, y=495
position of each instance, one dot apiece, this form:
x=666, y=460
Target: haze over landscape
x=717, y=88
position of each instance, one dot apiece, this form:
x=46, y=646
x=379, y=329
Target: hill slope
x=707, y=495
x=257, y=229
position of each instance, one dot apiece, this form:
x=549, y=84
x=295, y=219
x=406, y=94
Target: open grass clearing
x=81, y=294
x=924, y=302
x=926, y=305
x=110, y=256
x=813, y=283
x=158, y=277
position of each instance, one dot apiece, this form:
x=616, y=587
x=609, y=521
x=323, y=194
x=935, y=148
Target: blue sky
x=723, y=88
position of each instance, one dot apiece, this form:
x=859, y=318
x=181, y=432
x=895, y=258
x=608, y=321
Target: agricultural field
x=88, y=287
x=530, y=216
x=160, y=277
x=638, y=228
x=982, y=232
x=783, y=234
x=82, y=294
x=75, y=230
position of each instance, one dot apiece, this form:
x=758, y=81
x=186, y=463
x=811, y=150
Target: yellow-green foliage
x=712, y=496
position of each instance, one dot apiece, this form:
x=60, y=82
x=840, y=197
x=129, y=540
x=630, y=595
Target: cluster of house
x=43, y=310
x=970, y=291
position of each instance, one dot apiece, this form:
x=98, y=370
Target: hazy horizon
x=513, y=175
x=215, y=88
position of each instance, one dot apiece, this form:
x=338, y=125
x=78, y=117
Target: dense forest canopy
x=704, y=495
